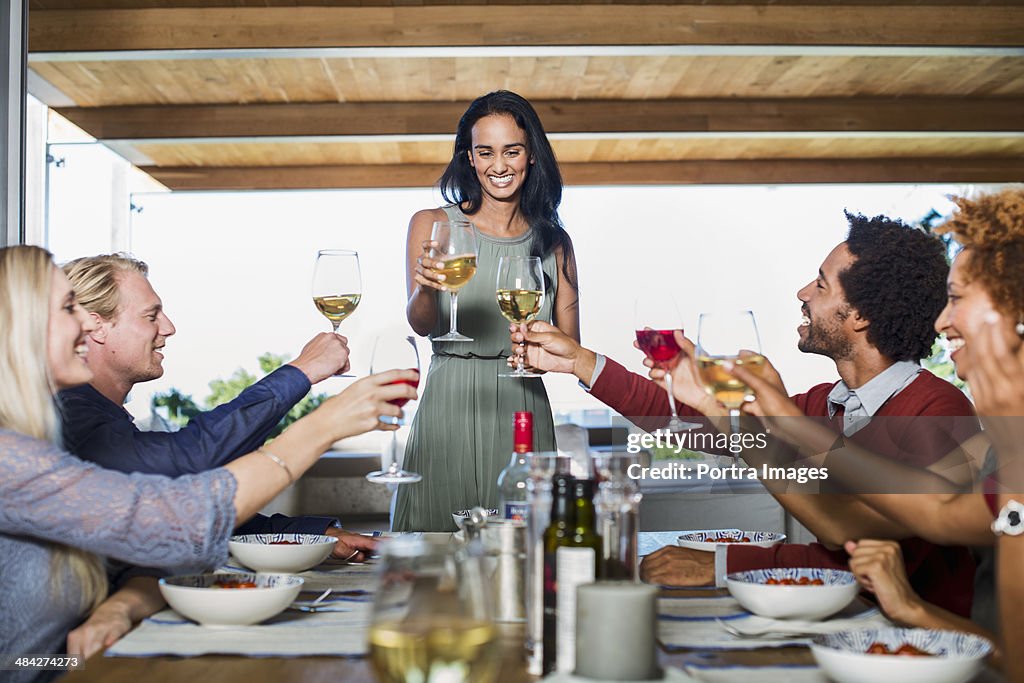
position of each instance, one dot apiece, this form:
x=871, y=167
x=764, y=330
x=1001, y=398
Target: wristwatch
x=1010, y=520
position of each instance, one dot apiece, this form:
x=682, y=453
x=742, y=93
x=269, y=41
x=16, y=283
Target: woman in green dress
x=503, y=177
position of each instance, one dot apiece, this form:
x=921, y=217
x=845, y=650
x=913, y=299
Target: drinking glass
x=720, y=339
x=457, y=251
x=520, y=295
x=390, y=353
x=431, y=617
x=656, y=320
x=337, y=286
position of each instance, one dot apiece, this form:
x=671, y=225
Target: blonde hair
x=26, y=399
x=95, y=280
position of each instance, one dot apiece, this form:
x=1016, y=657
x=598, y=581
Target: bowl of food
x=708, y=539
x=908, y=655
x=460, y=516
x=235, y=599
x=281, y=553
x=806, y=593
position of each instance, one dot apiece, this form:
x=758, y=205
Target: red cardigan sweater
x=941, y=575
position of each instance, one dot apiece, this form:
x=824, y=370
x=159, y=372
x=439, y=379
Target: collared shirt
x=97, y=429
x=861, y=404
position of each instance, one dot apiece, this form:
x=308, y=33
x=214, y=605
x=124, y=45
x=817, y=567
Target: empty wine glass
x=390, y=353
x=520, y=294
x=337, y=286
x=457, y=251
x=721, y=337
x=656, y=320
x=432, y=617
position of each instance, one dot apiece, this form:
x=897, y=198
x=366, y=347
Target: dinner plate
x=705, y=539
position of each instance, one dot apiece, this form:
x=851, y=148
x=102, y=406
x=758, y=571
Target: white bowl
x=197, y=597
x=793, y=602
x=703, y=539
x=956, y=656
x=460, y=516
x=281, y=553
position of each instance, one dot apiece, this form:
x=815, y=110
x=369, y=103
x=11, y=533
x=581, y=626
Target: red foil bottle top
x=523, y=432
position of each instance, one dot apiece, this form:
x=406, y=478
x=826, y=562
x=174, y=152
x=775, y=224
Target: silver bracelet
x=279, y=461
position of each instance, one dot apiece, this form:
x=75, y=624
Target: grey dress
x=461, y=437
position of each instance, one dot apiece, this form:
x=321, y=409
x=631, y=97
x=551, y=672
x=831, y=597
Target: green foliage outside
x=181, y=407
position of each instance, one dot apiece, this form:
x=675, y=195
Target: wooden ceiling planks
x=635, y=91
x=213, y=81
x=584, y=150
x=487, y=25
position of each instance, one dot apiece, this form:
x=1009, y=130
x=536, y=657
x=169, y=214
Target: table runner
x=337, y=629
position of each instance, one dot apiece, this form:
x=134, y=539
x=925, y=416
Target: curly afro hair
x=897, y=283
x=991, y=228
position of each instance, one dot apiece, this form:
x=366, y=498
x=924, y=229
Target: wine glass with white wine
x=432, y=614
x=520, y=295
x=728, y=338
x=337, y=285
x=456, y=250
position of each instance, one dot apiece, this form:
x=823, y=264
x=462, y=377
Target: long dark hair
x=541, y=193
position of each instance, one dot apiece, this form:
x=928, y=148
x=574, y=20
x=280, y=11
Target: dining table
x=730, y=664
x=236, y=669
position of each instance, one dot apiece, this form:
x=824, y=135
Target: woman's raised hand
x=426, y=273
x=879, y=568
x=359, y=407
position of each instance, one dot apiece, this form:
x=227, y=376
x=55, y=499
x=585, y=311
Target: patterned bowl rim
x=283, y=581
x=895, y=636
x=755, y=577
x=695, y=535
x=304, y=539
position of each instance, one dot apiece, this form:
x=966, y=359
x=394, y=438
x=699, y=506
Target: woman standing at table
x=502, y=177
x=58, y=514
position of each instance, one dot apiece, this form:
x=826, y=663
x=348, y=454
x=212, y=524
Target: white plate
x=700, y=540
x=957, y=656
x=281, y=553
x=793, y=602
x=194, y=597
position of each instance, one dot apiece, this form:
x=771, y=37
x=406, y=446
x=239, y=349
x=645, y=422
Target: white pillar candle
x=615, y=631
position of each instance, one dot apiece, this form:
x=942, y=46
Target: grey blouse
x=47, y=495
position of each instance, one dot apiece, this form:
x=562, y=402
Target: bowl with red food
x=232, y=599
x=908, y=655
x=786, y=593
x=709, y=539
x=281, y=553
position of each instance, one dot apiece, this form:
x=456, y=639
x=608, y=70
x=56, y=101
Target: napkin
x=690, y=623
x=289, y=634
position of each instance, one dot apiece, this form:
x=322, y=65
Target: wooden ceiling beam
x=760, y=172
x=568, y=116
x=499, y=24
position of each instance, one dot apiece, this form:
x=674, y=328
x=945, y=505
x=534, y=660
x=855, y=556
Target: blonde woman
x=57, y=513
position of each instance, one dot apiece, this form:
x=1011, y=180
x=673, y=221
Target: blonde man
x=126, y=348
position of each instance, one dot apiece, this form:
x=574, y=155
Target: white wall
x=234, y=268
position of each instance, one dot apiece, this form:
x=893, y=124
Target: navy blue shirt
x=99, y=430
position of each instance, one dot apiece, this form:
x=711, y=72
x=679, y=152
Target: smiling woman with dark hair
x=502, y=177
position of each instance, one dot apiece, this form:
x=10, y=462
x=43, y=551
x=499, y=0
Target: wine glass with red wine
x=391, y=353
x=657, y=320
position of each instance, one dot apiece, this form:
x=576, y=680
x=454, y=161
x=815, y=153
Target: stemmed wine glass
x=656, y=322
x=457, y=251
x=390, y=353
x=720, y=339
x=432, y=614
x=337, y=286
x=520, y=294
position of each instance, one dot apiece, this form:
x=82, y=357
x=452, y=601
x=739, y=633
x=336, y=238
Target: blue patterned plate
x=953, y=657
